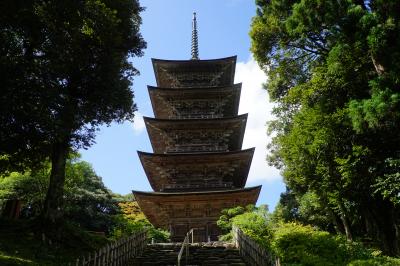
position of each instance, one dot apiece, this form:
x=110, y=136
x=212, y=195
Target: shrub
x=303, y=245
x=132, y=219
x=379, y=261
x=256, y=226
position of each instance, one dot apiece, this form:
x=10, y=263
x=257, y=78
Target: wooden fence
x=251, y=251
x=117, y=253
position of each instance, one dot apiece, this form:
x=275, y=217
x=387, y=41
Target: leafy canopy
x=333, y=69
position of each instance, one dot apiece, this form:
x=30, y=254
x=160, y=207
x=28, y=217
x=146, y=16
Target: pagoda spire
x=195, y=41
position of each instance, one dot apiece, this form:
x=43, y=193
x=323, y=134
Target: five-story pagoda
x=197, y=168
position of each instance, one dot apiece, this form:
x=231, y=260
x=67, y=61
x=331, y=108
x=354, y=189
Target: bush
x=251, y=219
x=297, y=244
x=256, y=226
x=380, y=261
x=132, y=219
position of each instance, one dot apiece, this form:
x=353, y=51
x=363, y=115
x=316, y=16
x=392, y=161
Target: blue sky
x=223, y=27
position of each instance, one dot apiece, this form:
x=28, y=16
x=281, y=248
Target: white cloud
x=254, y=101
x=138, y=123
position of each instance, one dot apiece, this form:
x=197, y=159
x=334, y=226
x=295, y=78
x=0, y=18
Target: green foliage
x=19, y=244
x=28, y=187
x=297, y=244
x=225, y=220
x=254, y=221
x=65, y=72
x=131, y=219
x=333, y=73
x=388, y=184
x=380, y=261
x=87, y=201
x=255, y=225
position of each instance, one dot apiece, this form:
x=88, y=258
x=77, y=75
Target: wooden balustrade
x=117, y=253
x=251, y=251
x=198, y=185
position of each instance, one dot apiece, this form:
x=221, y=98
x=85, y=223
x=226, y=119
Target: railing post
x=187, y=250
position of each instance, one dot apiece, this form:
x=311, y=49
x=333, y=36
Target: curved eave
x=195, y=89
x=187, y=64
x=160, y=159
x=231, y=192
x=159, y=95
x=155, y=205
x=197, y=121
x=155, y=127
x=194, y=154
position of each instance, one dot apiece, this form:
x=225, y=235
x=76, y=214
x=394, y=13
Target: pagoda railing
x=197, y=148
x=196, y=116
x=198, y=185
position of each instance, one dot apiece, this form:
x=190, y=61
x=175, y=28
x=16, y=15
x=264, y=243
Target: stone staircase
x=211, y=253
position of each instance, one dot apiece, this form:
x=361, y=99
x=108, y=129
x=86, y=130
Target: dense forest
x=334, y=76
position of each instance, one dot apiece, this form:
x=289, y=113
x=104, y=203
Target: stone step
x=211, y=253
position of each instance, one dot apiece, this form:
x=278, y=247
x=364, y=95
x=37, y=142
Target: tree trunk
x=388, y=228
x=336, y=222
x=345, y=222
x=379, y=68
x=52, y=210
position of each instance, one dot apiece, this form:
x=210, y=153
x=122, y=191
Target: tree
x=333, y=71
x=306, y=209
x=65, y=72
x=87, y=201
x=254, y=221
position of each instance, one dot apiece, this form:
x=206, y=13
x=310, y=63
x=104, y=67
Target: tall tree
x=65, y=71
x=334, y=72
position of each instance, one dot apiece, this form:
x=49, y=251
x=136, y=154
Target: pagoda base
x=179, y=212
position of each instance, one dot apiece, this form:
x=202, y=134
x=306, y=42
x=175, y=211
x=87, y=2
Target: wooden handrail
x=185, y=246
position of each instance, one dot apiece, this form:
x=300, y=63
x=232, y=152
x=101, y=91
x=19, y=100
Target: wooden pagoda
x=197, y=168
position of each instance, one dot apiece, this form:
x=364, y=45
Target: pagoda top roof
x=191, y=61
x=194, y=73
x=163, y=208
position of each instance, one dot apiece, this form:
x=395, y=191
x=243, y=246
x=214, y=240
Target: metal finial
x=195, y=41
